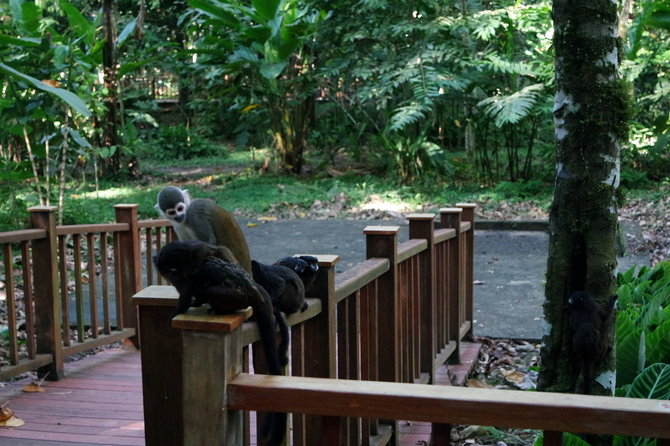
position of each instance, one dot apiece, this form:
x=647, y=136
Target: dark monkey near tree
x=587, y=318
x=204, y=220
x=206, y=274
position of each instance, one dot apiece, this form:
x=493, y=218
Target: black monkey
x=587, y=318
x=203, y=273
x=305, y=266
x=287, y=293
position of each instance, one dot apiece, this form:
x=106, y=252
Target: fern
x=512, y=108
x=407, y=115
x=499, y=65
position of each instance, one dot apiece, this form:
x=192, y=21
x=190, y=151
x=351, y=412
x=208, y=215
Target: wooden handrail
x=451, y=405
x=355, y=278
x=91, y=228
x=22, y=235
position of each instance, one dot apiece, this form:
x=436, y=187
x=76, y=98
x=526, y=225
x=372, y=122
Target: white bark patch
x=560, y=133
x=546, y=327
x=607, y=380
x=614, y=177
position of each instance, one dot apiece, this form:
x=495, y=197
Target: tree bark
x=591, y=110
x=110, y=136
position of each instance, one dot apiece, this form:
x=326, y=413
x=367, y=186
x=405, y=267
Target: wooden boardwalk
x=100, y=403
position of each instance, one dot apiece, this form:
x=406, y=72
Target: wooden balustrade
x=388, y=319
x=77, y=282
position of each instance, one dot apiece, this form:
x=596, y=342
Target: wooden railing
x=396, y=317
x=363, y=356
x=76, y=283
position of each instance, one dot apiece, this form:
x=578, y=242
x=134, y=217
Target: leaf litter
x=501, y=364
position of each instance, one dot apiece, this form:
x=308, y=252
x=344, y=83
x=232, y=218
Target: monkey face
x=177, y=213
x=173, y=203
x=177, y=261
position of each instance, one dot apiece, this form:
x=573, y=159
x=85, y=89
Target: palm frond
x=510, y=109
x=406, y=115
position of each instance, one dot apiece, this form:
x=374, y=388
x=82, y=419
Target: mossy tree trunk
x=591, y=110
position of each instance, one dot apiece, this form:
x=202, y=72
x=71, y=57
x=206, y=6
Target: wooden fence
x=68, y=288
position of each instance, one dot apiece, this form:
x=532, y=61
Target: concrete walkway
x=509, y=275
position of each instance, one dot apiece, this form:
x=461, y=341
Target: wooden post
x=451, y=218
x=468, y=215
x=421, y=227
x=129, y=265
x=315, y=354
x=382, y=242
x=162, y=372
x=47, y=303
x=211, y=358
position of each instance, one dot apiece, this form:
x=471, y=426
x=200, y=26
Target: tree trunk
x=591, y=110
x=110, y=137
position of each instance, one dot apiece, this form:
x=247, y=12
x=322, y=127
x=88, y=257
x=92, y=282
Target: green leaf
x=568, y=440
x=67, y=96
x=76, y=136
x=79, y=23
x=19, y=41
x=217, y=11
x=127, y=31
x=267, y=9
x=26, y=15
x=652, y=383
x=272, y=70
x=630, y=348
x=658, y=342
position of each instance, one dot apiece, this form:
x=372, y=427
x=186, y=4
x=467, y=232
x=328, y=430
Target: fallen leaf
x=5, y=413
x=12, y=422
x=479, y=384
x=516, y=377
x=251, y=225
x=33, y=387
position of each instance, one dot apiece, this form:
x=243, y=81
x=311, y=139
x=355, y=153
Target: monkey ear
x=186, y=196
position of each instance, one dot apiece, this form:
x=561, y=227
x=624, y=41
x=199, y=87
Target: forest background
x=295, y=106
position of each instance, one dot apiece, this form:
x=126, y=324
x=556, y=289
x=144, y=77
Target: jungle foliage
x=426, y=90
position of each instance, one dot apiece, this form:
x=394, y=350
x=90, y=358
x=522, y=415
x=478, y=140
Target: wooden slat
x=92, y=282
x=456, y=405
x=104, y=276
x=10, y=295
x=28, y=300
x=78, y=291
x=91, y=343
x=23, y=366
x=64, y=299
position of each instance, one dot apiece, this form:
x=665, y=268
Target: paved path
x=509, y=265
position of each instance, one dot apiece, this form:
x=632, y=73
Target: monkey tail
x=265, y=318
x=282, y=353
x=273, y=431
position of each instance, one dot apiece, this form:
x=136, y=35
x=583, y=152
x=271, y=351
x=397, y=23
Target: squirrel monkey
x=204, y=220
